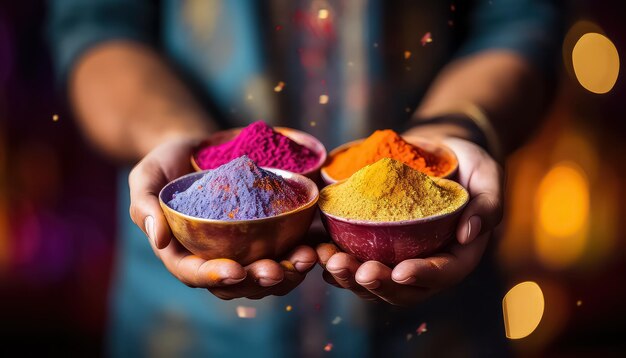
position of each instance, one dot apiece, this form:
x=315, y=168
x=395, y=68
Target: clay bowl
x=396, y=241
x=436, y=148
x=244, y=241
x=297, y=136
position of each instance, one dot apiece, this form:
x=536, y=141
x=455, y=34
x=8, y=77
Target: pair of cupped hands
x=409, y=282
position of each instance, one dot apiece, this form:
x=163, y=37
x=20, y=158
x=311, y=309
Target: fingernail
x=473, y=228
x=148, y=224
x=266, y=282
x=232, y=281
x=340, y=274
x=303, y=266
x=371, y=285
x=407, y=281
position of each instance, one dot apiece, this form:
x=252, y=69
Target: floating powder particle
x=279, y=87
x=238, y=190
x=262, y=144
x=421, y=329
x=426, y=39
x=336, y=320
x=328, y=347
x=246, y=312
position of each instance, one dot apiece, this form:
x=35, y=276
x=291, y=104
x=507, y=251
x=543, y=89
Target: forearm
x=128, y=101
x=502, y=84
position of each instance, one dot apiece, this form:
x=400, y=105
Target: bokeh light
x=562, y=215
x=522, y=308
x=596, y=62
x=246, y=312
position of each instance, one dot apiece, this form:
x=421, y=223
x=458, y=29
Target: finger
x=261, y=276
x=484, y=211
x=265, y=272
x=430, y=272
x=145, y=181
x=372, y=274
x=267, y=277
x=325, y=251
x=358, y=290
x=292, y=278
x=303, y=258
x=248, y=287
x=328, y=277
x=197, y=272
x=376, y=278
x=257, y=285
x=343, y=267
x=443, y=270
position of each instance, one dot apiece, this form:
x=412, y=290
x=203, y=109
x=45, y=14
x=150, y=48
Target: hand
x=412, y=281
x=224, y=278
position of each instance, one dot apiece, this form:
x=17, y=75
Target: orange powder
x=385, y=144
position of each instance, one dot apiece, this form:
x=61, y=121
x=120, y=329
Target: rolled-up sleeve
x=531, y=28
x=76, y=25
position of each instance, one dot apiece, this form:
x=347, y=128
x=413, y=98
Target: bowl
x=438, y=149
x=395, y=241
x=244, y=241
x=297, y=136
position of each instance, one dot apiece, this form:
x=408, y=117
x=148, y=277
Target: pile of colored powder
x=239, y=190
x=389, y=191
x=385, y=144
x=262, y=144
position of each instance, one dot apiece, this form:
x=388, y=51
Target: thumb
x=484, y=211
x=145, y=181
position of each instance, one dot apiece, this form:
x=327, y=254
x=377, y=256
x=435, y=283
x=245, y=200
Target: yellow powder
x=390, y=191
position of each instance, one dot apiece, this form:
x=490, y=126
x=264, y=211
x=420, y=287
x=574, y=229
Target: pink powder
x=263, y=145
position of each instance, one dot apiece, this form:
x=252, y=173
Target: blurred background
x=563, y=227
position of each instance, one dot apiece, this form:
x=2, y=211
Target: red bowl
x=395, y=241
x=438, y=149
x=297, y=136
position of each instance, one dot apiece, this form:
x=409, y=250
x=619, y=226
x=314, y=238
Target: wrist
x=441, y=127
x=471, y=125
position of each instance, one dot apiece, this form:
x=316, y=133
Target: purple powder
x=238, y=190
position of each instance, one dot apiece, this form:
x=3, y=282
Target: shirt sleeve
x=531, y=28
x=76, y=25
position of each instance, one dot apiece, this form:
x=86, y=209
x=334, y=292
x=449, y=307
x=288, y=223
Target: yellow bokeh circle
x=596, y=62
x=522, y=308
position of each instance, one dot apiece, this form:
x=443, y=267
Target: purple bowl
x=395, y=241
